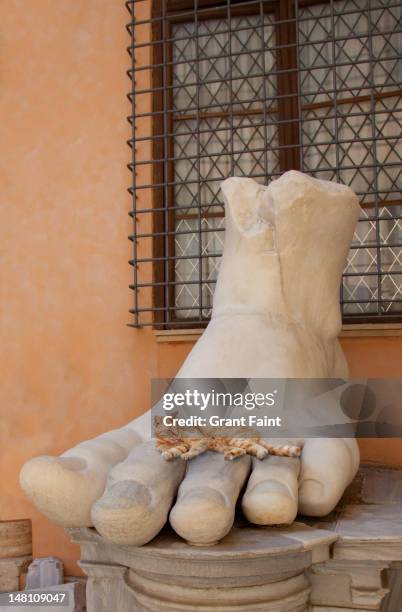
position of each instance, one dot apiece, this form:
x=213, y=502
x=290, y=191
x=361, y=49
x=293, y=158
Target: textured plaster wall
x=70, y=368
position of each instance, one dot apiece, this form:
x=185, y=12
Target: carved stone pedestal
x=251, y=569
x=364, y=572
x=351, y=560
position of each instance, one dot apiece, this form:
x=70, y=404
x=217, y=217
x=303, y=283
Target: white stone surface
x=370, y=532
x=369, y=543
x=275, y=314
x=44, y=572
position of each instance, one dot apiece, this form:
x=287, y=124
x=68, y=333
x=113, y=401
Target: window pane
x=350, y=85
x=221, y=128
x=235, y=92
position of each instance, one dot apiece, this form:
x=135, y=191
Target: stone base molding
x=350, y=560
x=251, y=569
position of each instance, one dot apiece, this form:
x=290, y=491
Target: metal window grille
x=255, y=88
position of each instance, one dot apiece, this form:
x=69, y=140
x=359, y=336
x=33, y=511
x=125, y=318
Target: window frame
x=289, y=120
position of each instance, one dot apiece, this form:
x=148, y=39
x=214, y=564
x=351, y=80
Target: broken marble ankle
x=275, y=314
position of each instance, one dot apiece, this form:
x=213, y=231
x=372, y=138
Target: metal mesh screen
x=255, y=89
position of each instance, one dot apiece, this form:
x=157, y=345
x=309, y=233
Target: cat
x=173, y=441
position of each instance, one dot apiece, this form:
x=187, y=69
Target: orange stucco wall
x=70, y=366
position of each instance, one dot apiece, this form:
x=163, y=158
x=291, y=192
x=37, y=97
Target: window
x=256, y=88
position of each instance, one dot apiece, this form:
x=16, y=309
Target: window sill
x=365, y=330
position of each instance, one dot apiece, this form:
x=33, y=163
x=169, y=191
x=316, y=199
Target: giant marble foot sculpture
x=275, y=315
